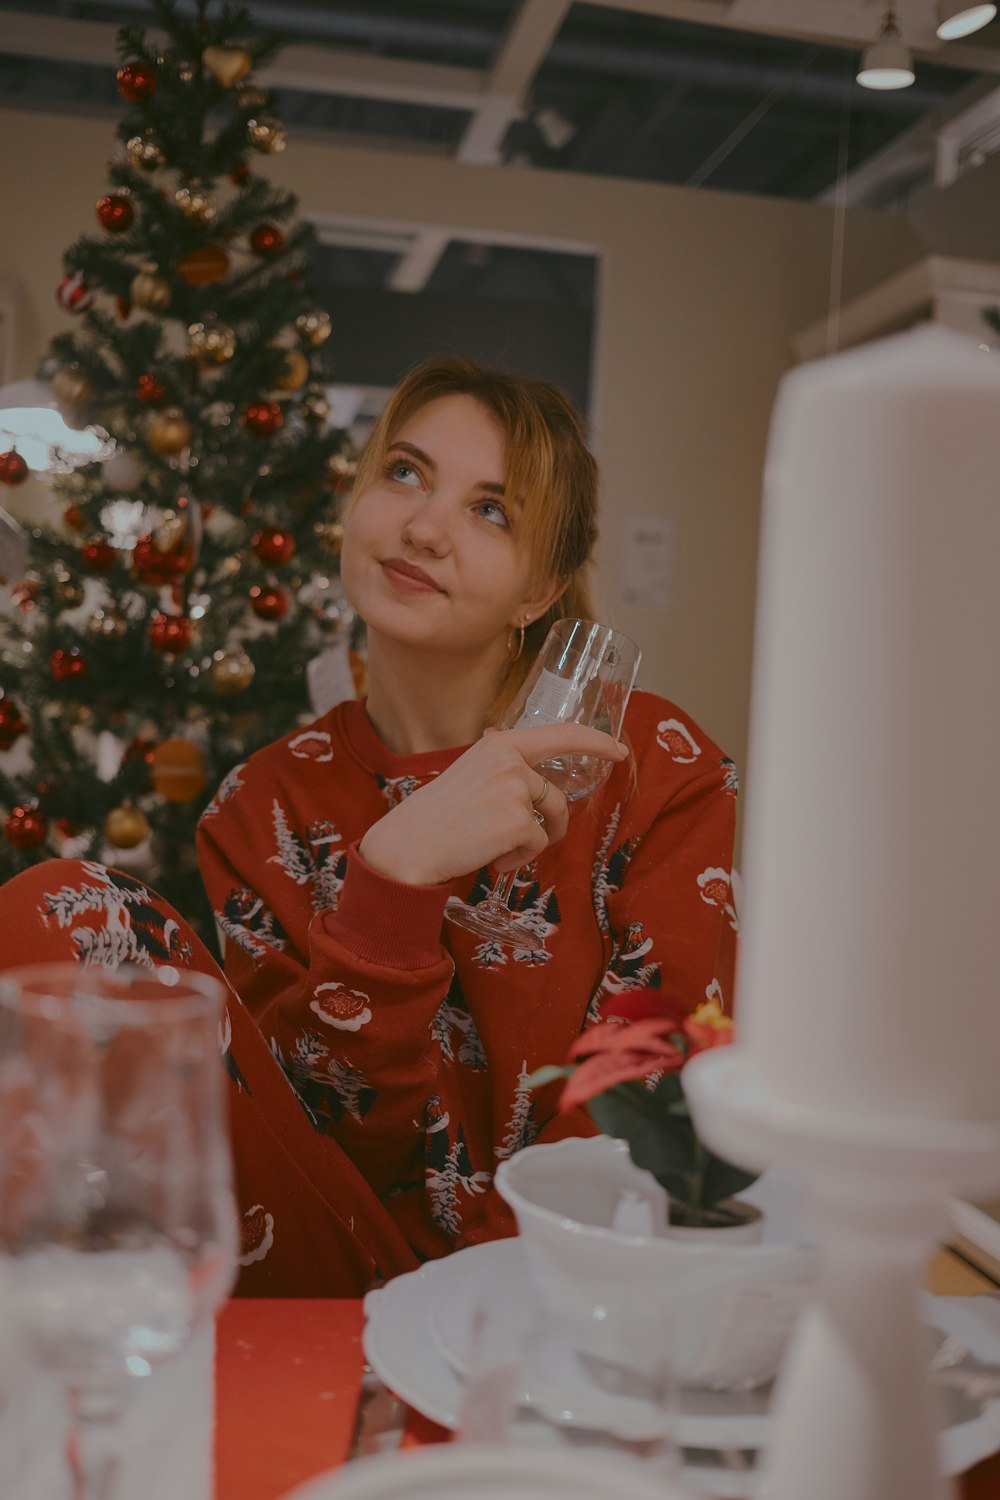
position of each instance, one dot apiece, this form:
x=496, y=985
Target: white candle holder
x=856, y=1417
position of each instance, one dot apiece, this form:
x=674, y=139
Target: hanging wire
x=701, y=174
x=835, y=298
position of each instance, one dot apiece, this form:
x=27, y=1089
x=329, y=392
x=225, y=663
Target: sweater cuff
x=385, y=921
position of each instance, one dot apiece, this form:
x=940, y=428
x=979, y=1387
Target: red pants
x=310, y=1224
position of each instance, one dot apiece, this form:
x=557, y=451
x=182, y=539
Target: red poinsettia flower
x=708, y=1027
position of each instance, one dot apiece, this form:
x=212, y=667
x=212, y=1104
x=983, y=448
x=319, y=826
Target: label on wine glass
x=552, y=700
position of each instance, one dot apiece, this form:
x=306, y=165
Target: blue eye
x=493, y=512
x=399, y=465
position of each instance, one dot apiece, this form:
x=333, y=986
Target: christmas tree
x=164, y=631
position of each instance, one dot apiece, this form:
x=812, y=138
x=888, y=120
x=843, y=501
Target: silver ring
x=537, y=801
x=537, y=815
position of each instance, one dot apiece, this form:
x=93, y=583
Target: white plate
x=489, y=1473
x=400, y=1348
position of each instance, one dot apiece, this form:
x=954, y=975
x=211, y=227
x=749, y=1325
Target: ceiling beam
x=973, y=57
x=313, y=68
x=523, y=50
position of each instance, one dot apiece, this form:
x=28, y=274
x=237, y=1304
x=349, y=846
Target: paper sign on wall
x=647, y=559
x=329, y=679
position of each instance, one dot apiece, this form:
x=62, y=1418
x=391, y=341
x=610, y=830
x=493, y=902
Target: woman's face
x=431, y=554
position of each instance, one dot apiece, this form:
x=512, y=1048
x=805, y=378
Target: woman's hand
x=481, y=810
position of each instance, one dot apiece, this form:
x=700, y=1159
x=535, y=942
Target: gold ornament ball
x=169, y=531
x=185, y=72
x=313, y=327
x=144, y=152
x=126, y=826
x=203, y=265
x=294, y=371
x=168, y=431
x=315, y=408
x=71, y=387
x=178, y=770
x=232, y=671
x=267, y=134
x=69, y=593
x=330, y=534
x=210, y=343
x=249, y=96
x=150, y=291
x=227, y=65
x=107, y=625
x=195, y=204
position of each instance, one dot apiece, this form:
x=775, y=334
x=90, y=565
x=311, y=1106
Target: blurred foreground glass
x=583, y=674
x=117, y=1215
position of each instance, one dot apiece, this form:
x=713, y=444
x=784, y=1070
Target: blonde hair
x=548, y=467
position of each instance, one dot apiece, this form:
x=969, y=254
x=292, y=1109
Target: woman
x=330, y=855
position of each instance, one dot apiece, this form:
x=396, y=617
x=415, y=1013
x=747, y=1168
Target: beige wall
x=699, y=295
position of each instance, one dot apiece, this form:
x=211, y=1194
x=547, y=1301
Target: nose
x=427, y=529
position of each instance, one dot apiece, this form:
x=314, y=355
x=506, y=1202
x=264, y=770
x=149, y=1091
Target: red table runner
x=287, y=1384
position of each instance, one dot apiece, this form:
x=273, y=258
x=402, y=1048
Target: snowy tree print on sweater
x=448, y=1168
x=319, y=861
x=451, y=1020
x=131, y=928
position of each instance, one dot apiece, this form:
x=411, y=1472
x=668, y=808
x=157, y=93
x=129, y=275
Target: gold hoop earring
x=515, y=635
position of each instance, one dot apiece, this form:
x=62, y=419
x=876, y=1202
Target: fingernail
x=623, y=749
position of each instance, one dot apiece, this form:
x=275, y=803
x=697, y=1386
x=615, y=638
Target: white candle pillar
x=868, y=971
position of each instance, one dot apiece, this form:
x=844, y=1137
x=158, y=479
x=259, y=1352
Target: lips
x=407, y=576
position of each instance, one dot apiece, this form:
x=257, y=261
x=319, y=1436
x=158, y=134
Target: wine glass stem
x=93, y=1443
x=501, y=889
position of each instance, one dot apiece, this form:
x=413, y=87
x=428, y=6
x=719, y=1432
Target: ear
x=549, y=590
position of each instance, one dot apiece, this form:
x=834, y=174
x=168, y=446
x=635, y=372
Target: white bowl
x=728, y=1307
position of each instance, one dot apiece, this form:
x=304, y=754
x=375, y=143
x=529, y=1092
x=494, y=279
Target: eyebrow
x=487, y=486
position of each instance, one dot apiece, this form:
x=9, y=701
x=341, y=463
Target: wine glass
x=583, y=674
x=117, y=1216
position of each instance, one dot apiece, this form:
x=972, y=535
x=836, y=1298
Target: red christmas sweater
x=409, y=1040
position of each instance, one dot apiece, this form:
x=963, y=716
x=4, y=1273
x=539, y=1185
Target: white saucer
x=400, y=1347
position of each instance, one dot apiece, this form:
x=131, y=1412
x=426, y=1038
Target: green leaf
x=546, y=1074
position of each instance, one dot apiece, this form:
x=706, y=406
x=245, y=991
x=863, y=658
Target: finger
x=533, y=840
x=542, y=741
x=555, y=810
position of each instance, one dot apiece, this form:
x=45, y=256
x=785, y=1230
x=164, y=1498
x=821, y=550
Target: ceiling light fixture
x=958, y=18
x=886, y=63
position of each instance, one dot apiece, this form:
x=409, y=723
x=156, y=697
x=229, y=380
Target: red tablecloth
x=288, y=1380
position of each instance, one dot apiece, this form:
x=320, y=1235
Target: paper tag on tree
x=329, y=678
x=13, y=548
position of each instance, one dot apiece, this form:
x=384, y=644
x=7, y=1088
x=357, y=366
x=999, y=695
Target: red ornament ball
x=268, y=603
x=123, y=307
x=149, y=390
x=66, y=828
x=170, y=634
x=263, y=418
x=26, y=827
x=272, y=545
x=153, y=566
x=136, y=82
x=12, y=726
x=65, y=664
x=73, y=516
x=267, y=239
x=13, y=469
x=239, y=175
x=115, y=213
x=98, y=554
x=73, y=294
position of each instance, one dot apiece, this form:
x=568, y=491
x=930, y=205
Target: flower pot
x=730, y=1304
x=746, y=1227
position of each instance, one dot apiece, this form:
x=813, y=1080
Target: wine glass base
x=491, y=919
